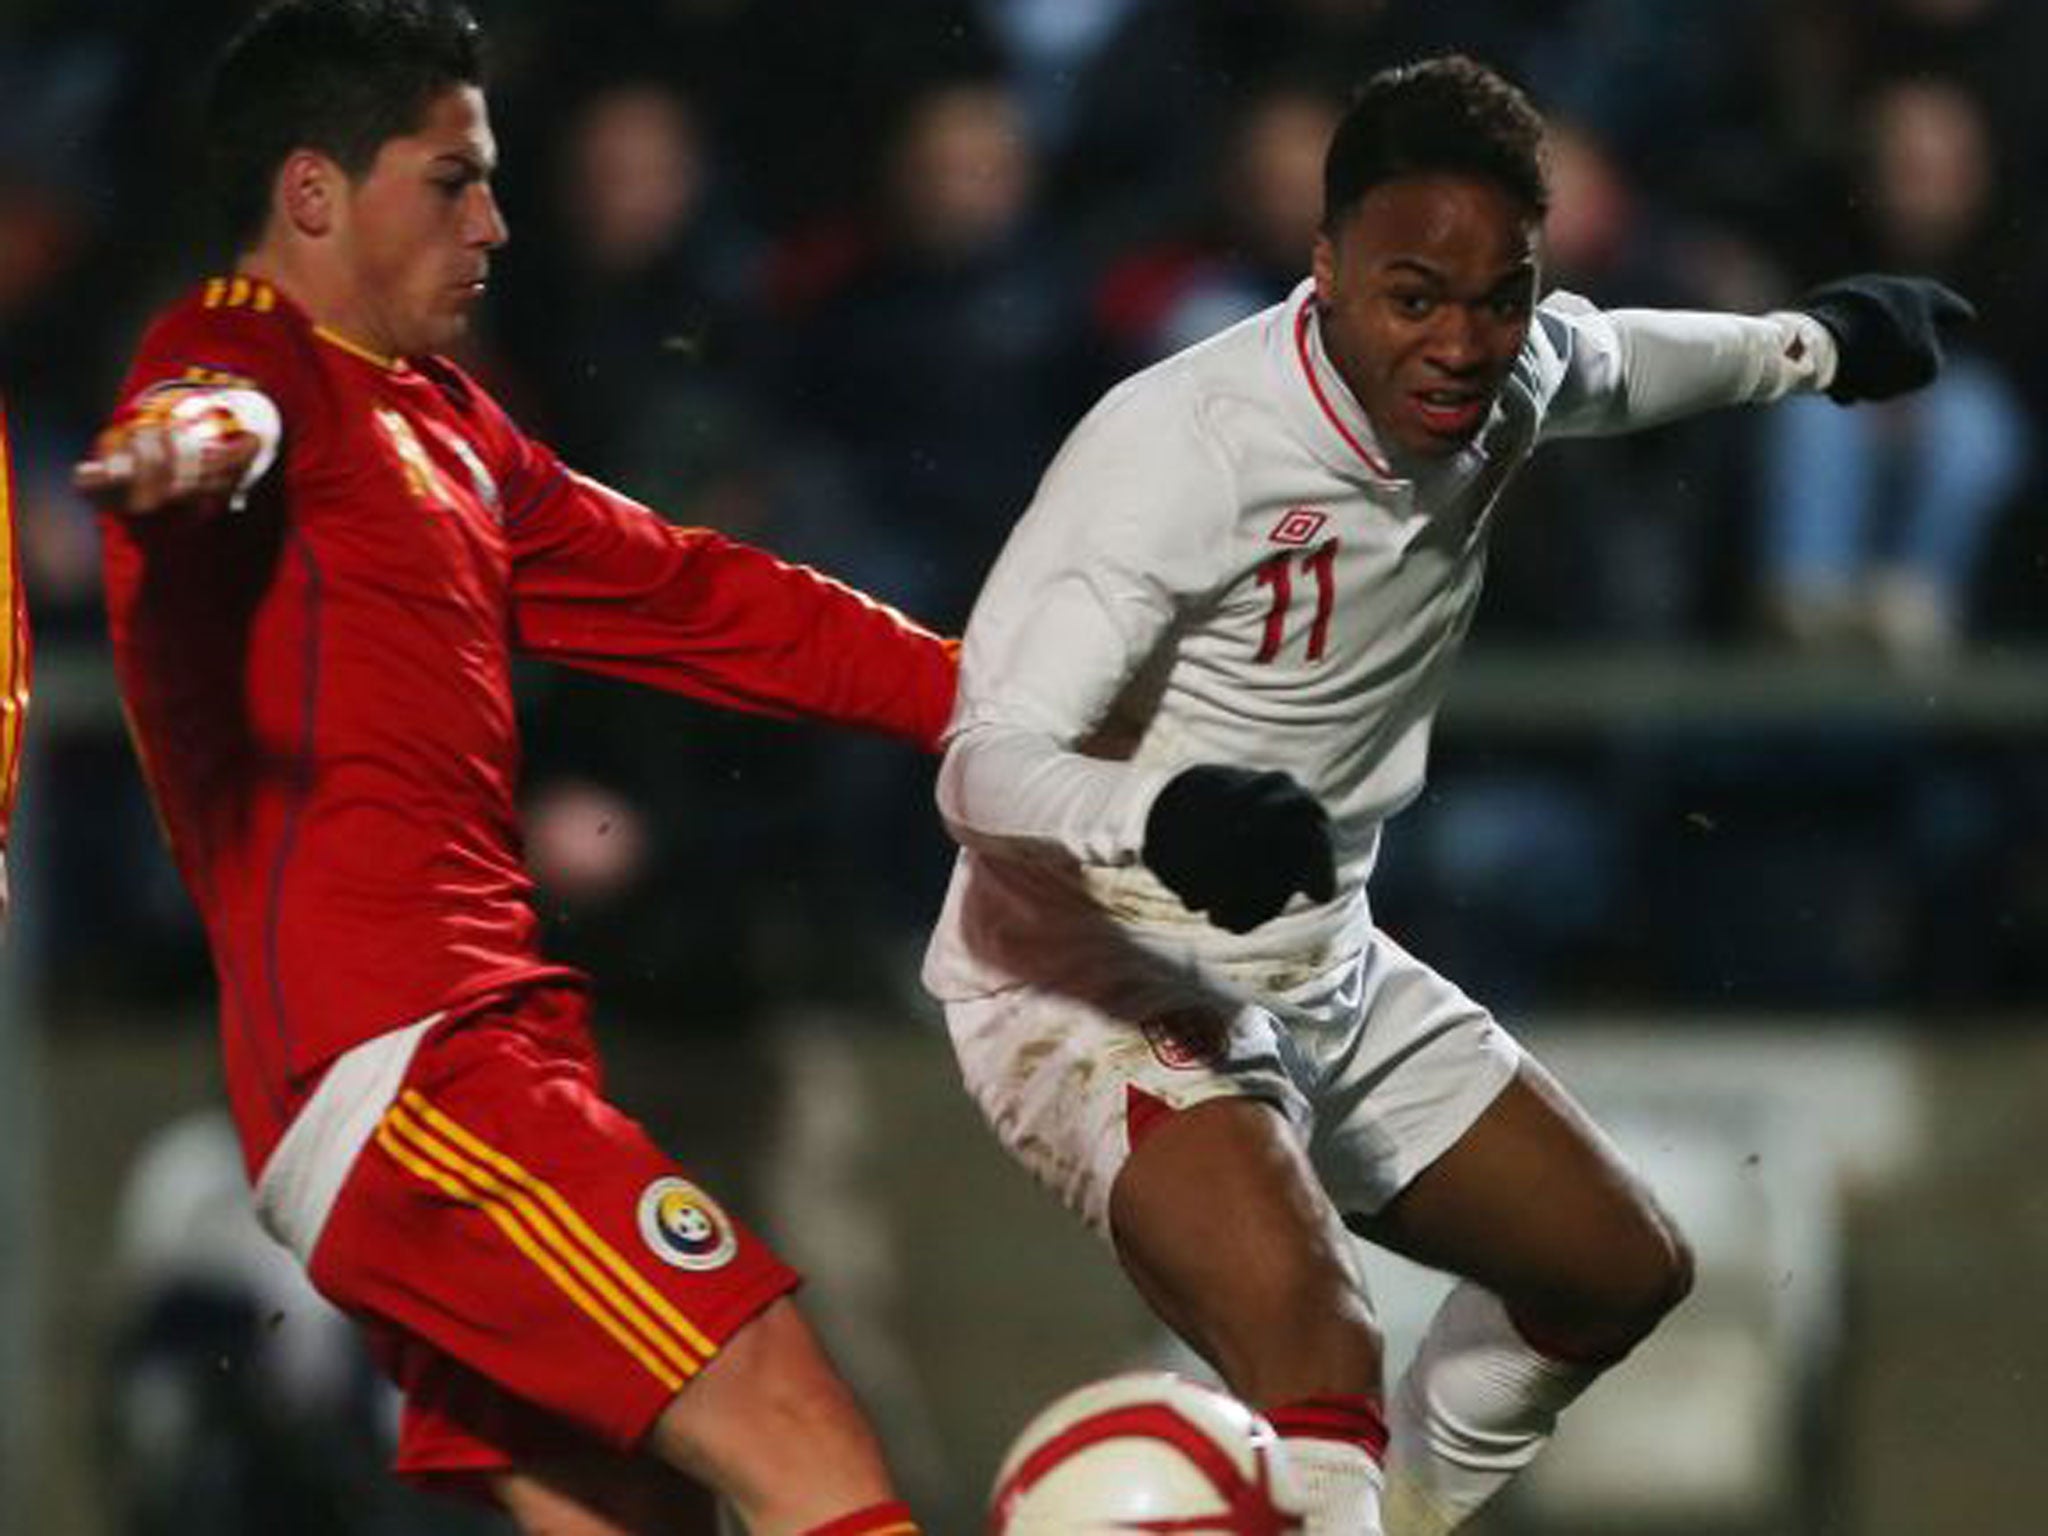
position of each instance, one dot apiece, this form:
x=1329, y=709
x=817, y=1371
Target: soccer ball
x=1146, y=1452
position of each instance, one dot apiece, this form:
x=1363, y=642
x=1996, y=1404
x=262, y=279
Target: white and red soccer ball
x=1147, y=1452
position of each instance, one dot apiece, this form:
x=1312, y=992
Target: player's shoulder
x=1177, y=395
x=1565, y=325
x=1145, y=459
x=1563, y=328
x=226, y=330
x=232, y=305
x=1152, y=422
x=1224, y=362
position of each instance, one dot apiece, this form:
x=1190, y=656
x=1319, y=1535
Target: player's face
x=1426, y=288
x=420, y=227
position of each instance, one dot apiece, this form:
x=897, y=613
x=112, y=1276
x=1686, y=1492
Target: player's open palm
x=1237, y=844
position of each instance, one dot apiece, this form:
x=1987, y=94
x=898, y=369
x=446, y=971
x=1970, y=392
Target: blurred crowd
x=836, y=278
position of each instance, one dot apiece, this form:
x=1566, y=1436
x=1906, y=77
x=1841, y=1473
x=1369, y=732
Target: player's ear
x=306, y=194
x=1323, y=263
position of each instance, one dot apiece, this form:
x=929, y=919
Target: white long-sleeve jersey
x=1222, y=565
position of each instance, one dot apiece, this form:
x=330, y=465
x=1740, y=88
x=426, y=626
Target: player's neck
x=331, y=307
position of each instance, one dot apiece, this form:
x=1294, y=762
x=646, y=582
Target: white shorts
x=1379, y=1064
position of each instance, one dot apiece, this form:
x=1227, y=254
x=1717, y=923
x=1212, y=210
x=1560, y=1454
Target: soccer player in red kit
x=324, y=545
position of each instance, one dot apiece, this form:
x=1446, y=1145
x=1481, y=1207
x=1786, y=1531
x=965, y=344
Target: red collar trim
x=1308, y=368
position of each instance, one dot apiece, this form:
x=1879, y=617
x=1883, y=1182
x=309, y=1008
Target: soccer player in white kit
x=1199, y=678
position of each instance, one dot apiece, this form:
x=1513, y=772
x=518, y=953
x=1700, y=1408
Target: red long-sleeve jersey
x=319, y=681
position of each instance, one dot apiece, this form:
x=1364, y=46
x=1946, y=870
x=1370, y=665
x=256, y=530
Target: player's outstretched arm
x=1889, y=332
x=1237, y=844
x=202, y=447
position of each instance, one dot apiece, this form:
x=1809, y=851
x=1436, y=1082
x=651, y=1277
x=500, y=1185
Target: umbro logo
x=1298, y=525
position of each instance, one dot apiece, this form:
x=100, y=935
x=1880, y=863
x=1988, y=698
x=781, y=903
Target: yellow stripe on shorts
x=626, y=1274
x=515, y=1210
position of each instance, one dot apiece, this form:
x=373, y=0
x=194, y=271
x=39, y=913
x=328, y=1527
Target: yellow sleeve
x=14, y=648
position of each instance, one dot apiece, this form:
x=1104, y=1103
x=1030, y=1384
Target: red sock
x=1349, y=1419
x=891, y=1518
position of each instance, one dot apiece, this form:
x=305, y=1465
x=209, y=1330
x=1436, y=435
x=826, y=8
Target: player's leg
x=732, y=1428
x=1568, y=1264
x=1221, y=1225
x=767, y=1393
x=1167, y=1119
x=542, y=1279
x=771, y=1424
x=602, y=1493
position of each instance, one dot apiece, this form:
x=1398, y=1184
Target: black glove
x=1237, y=844
x=1888, y=332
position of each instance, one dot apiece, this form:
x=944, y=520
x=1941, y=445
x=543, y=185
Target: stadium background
x=1753, y=850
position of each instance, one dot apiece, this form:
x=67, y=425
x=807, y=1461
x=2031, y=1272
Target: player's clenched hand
x=1237, y=844
x=157, y=460
x=1888, y=332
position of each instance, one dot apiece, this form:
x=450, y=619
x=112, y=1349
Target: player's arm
x=183, y=446
x=1095, y=579
x=1229, y=840
x=1860, y=338
x=1049, y=648
x=1116, y=546
x=602, y=583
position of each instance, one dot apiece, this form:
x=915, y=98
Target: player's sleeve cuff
x=213, y=412
x=1809, y=353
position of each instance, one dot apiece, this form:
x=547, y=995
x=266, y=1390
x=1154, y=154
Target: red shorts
x=532, y=1270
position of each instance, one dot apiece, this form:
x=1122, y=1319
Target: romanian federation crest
x=684, y=1226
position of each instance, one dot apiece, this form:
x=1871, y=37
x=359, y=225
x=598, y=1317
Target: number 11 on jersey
x=1278, y=574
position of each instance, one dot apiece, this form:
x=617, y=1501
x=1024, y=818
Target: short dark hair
x=338, y=76
x=1443, y=116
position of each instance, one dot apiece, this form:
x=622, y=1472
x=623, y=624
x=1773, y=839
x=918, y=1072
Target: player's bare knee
x=1642, y=1285
x=1616, y=1302
x=1678, y=1272
x=1657, y=1278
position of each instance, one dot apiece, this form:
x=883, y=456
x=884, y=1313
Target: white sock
x=1339, y=1484
x=1336, y=1444
x=1473, y=1408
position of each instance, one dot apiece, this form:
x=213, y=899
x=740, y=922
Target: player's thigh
x=1439, y=1138
x=1221, y=1224
x=510, y=1237
x=1536, y=1204
x=1173, y=1122
x=1072, y=1081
